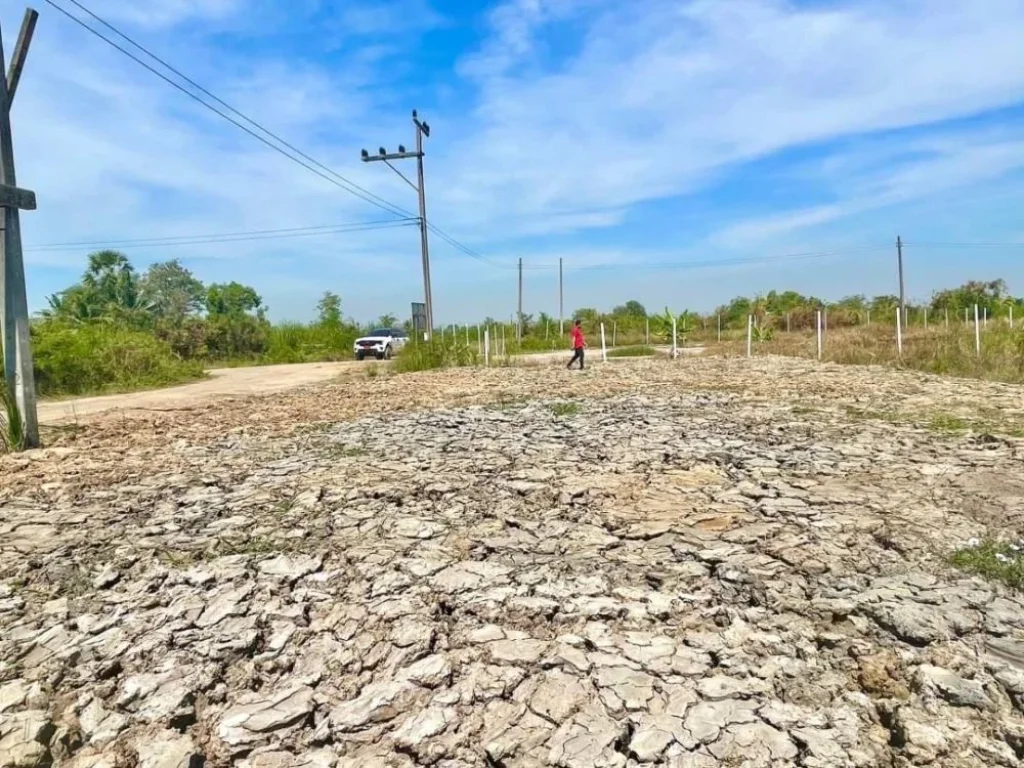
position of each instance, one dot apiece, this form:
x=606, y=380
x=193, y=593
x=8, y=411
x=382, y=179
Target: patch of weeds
x=993, y=560
x=948, y=423
x=863, y=414
x=507, y=401
x=257, y=545
x=638, y=351
x=348, y=451
x=372, y=372
x=565, y=409
x=177, y=559
x=804, y=410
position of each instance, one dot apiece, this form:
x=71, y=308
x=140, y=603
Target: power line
x=964, y=245
x=231, y=237
x=313, y=165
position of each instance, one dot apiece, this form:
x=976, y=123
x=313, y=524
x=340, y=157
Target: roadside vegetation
x=994, y=560
x=118, y=329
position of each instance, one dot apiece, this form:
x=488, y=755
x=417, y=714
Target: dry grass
x=936, y=350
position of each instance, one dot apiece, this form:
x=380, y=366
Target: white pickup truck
x=382, y=343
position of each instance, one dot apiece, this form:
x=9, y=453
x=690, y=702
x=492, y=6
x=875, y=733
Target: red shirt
x=577, y=337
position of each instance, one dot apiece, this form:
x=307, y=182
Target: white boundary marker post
x=647, y=332
x=1011, y=317
x=750, y=333
x=947, y=317
x=479, y=342
x=977, y=331
x=487, y=347
x=869, y=317
x=675, y=348
x=503, y=339
x=899, y=332
x=719, y=327
x=926, y=318
x=604, y=349
x=967, y=322
x=467, y=337
x=818, y=324
x=615, y=331
x=986, y=317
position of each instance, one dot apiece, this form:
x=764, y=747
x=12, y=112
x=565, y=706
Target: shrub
x=434, y=354
x=90, y=358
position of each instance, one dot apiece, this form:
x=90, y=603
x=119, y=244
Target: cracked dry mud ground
x=706, y=563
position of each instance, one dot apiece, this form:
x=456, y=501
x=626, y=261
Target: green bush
x=638, y=351
x=434, y=354
x=98, y=357
x=298, y=343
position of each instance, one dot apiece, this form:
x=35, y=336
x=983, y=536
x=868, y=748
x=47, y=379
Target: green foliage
x=234, y=300
x=329, y=309
x=993, y=560
x=171, y=292
x=99, y=357
x=434, y=354
x=637, y=351
x=12, y=434
x=565, y=409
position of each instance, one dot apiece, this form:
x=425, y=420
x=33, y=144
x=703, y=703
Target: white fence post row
x=899, y=332
x=604, y=348
x=818, y=324
x=487, y=347
x=675, y=349
x=750, y=333
x=977, y=331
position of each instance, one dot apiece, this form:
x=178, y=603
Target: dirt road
x=237, y=382
x=223, y=382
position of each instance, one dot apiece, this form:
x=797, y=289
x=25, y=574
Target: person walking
x=578, y=345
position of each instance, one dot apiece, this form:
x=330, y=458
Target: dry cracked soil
x=687, y=563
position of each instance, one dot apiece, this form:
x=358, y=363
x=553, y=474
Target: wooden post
x=17, y=347
x=818, y=324
x=899, y=332
x=977, y=331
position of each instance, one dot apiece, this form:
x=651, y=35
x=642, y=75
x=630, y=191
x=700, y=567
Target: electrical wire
x=312, y=165
x=230, y=237
x=962, y=245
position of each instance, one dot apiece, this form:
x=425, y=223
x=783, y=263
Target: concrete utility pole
x=422, y=129
x=519, y=325
x=899, y=261
x=18, y=372
x=561, y=306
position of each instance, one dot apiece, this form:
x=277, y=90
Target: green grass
x=12, y=436
x=434, y=354
x=638, y=351
x=98, y=358
x=565, y=409
x=992, y=560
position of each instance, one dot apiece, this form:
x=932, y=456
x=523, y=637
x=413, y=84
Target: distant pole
x=467, y=337
x=899, y=259
x=561, y=307
x=986, y=317
x=818, y=324
x=977, y=331
x=787, y=323
x=674, y=346
x=899, y=333
x=479, y=342
x=926, y=318
x=869, y=317
x=502, y=338
x=604, y=348
x=947, y=316
x=519, y=325
x=647, y=331
x=615, y=332
x=750, y=333
x=547, y=330
x=487, y=347
x=719, y=327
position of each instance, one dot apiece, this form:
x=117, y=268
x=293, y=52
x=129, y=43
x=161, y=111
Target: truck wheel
x=360, y=355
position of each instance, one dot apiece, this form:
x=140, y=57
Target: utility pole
x=561, y=307
x=519, y=325
x=422, y=129
x=899, y=260
x=18, y=373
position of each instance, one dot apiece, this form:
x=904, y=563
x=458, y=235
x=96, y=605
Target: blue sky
x=611, y=135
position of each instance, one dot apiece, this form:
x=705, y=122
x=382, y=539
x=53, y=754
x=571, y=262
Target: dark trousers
x=576, y=355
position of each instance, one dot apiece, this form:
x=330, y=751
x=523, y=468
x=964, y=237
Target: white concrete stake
x=604, y=349
x=647, y=332
x=467, y=337
x=818, y=324
x=479, y=342
x=869, y=317
x=750, y=332
x=926, y=318
x=719, y=327
x=977, y=331
x=986, y=317
x=675, y=350
x=615, y=331
x=966, y=321
x=899, y=332
x=487, y=347
x=1011, y=317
